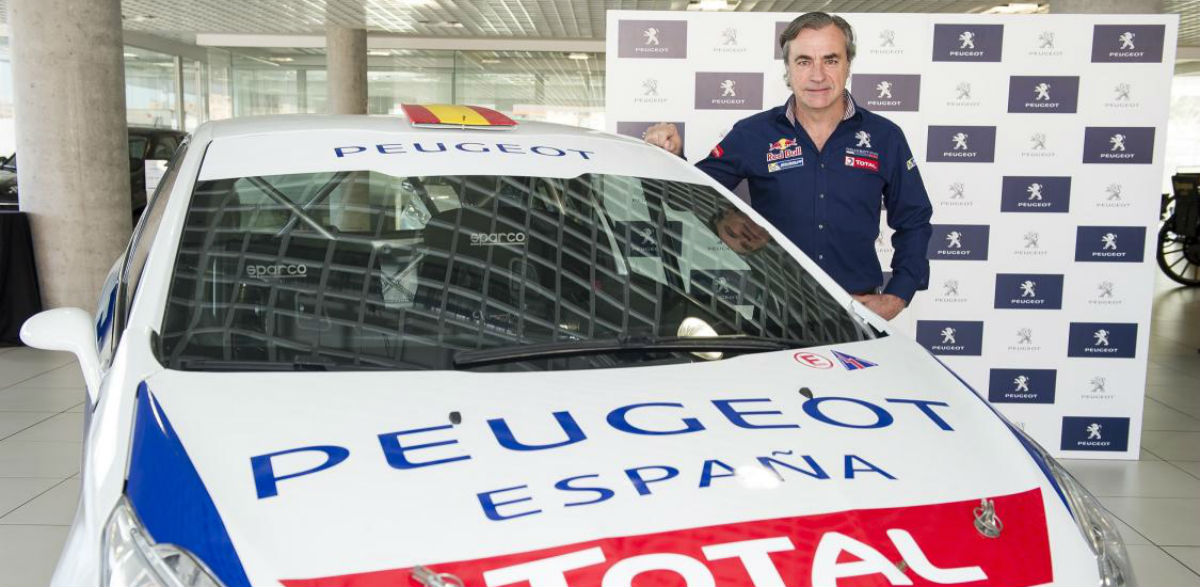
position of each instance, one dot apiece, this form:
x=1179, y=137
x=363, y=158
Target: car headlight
x=1098, y=526
x=130, y=558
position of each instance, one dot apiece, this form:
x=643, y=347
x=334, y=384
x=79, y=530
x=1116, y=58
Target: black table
x=20, y=296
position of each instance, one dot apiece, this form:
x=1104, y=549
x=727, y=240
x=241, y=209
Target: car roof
x=290, y=144
x=253, y=125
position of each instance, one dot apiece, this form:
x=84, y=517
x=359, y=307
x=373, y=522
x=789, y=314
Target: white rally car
x=427, y=351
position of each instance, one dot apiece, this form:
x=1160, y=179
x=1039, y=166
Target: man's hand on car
x=887, y=306
x=665, y=135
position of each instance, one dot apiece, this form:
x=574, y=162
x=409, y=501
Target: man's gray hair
x=815, y=21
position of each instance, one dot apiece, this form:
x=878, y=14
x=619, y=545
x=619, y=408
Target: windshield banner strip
x=919, y=545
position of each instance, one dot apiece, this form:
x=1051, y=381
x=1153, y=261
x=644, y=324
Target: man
x=819, y=166
x=739, y=232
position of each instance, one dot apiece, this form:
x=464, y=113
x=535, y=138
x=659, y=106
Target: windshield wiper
x=299, y=365
x=552, y=350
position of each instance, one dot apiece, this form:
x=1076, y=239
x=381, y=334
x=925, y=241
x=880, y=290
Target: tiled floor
x=1157, y=498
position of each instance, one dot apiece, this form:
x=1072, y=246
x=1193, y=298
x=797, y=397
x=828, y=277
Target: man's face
x=817, y=67
x=740, y=233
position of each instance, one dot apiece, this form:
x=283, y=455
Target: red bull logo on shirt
x=783, y=149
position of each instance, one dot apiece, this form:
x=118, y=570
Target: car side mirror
x=71, y=330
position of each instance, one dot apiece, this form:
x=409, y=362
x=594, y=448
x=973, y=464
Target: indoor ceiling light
x=379, y=53
x=282, y=59
x=578, y=56
x=444, y=23
x=131, y=55
x=489, y=61
x=712, y=5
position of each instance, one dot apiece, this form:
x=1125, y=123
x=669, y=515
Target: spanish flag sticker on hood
x=453, y=115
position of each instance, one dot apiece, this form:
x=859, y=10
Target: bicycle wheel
x=1179, y=256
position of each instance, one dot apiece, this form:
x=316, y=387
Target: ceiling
x=510, y=19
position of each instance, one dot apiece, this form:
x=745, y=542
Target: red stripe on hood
x=926, y=544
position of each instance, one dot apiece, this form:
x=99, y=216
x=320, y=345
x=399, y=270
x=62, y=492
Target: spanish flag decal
x=453, y=115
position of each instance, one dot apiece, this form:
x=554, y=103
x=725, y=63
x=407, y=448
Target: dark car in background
x=146, y=147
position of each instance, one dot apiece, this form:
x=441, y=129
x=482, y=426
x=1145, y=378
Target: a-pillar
x=68, y=76
x=1106, y=6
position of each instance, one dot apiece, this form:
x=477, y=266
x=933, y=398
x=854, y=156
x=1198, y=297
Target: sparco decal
x=498, y=238
x=936, y=544
x=277, y=270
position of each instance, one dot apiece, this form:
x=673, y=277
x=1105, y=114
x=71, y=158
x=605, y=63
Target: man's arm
x=666, y=136
x=723, y=162
x=908, y=213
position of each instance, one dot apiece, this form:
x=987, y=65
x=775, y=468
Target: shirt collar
x=851, y=108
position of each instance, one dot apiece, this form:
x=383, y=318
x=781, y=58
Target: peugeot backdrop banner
x=1040, y=139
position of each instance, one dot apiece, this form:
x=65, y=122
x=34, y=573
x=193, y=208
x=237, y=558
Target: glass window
x=316, y=95
x=194, y=85
x=565, y=88
x=352, y=270
x=219, y=94
x=401, y=76
x=261, y=87
x=150, y=88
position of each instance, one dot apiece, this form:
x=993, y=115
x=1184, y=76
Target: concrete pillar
x=346, y=80
x=1106, y=6
x=72, y=144
x=346, y=60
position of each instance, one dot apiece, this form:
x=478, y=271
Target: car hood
x=725, y=469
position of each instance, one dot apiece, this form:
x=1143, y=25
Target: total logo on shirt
x=860, y=156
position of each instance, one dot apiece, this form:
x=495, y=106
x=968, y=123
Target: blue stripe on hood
x=169, y=497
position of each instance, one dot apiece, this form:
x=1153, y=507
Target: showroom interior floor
x=1157, y=497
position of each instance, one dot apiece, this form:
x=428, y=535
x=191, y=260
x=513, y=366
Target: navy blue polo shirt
x=828, y=202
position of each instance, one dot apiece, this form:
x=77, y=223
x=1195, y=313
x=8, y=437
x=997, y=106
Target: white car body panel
x=364, y=515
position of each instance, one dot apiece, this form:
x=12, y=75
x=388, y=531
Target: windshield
x=361, y=269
